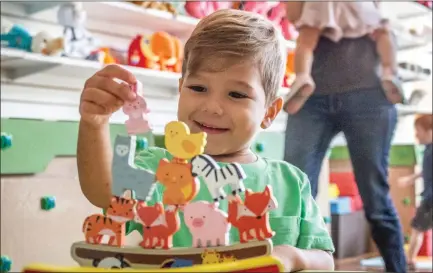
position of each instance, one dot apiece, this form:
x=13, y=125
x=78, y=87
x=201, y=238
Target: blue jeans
x=368, y=122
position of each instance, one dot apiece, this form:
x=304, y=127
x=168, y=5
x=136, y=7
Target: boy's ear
x=180, y=84
x=272, y=112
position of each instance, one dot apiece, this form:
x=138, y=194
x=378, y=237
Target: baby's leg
x=386, y=48
x=303, y=85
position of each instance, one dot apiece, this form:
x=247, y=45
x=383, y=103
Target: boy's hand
x=404, y=181
x=102, y=96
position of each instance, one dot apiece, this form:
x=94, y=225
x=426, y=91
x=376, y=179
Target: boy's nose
x=213, y=106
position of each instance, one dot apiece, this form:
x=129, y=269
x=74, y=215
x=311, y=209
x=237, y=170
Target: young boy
x=422, y=221
x=233, y=67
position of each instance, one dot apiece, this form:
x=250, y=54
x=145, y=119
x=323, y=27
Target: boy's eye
x=197, y=88
x=237, y=95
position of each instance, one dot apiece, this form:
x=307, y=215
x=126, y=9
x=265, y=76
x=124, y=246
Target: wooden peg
x=126, y=176
x=180, y=186
x=216, y=178
x=207, y=224
x=159, y=226
x=181, y=143
x=251, y=217
x=137, y=112
x=96, y=226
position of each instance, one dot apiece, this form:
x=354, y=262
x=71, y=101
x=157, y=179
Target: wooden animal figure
x=159, y=226
x=181, y=143
x=207, y=224
x=113, y=224
x=137, y=111
x=180, y=186
x=126, y=176
x=228, y=259
x=210, y=257
x=216, y=178
x=251, y=217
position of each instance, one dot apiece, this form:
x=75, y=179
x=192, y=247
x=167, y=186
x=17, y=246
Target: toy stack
x=349, y=229
x=177, y=181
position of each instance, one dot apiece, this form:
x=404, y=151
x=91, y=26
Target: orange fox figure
x=97, y=225
x=251, y=217
x=159, y=226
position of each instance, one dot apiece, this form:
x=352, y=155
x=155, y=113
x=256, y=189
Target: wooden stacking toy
x=208, y=225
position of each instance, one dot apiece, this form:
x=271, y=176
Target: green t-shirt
x=297, y=220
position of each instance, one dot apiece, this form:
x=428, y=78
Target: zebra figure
x=216, y=178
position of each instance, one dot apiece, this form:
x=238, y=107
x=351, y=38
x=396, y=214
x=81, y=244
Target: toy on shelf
x=15, y=36
x=166, y=48
x=137, y=111
x=141, y=55
x=251, y=217
x=260, y=7
x=201, y=9
x=79, y=43
x=289, y=75
x=158, y=5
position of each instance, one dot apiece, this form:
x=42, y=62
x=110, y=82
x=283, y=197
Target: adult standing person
x=349, y=97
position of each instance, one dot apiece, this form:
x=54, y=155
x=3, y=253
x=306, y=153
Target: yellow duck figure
x=181, y=143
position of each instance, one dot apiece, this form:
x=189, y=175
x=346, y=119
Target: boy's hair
x=233, y=36
x=424, y=121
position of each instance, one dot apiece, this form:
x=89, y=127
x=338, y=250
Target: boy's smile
x=228, y=105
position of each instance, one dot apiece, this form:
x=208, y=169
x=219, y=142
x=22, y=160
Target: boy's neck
x=244, y=156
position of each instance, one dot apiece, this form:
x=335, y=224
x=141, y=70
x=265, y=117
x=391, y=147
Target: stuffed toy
x=79, y=43
x=201, y=9
x=337, y=20
x=141, y=55
x=15, y=36
x=163, y=45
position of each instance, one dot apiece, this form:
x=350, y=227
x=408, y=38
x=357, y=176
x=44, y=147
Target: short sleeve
x=313, y=233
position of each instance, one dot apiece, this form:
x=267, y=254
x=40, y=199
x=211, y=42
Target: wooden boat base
x=90, y=255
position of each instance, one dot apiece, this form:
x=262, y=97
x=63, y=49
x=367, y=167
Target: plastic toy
x=180, y=185
x=125, y=175
x=15, y=36
x=48, y=202
x=79, y=43
x=181, y=143
x=6, y=141
x=5, y=264
x=113, y=224
x=251, y=217
x=137, y=112
x=208, y=225
x=140, y=54
x=159, y=225
x=216, y=178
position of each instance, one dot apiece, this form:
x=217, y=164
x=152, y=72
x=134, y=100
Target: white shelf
x=17, y=64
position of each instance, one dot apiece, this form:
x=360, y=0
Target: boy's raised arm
x=101, y=97
x=94, y=157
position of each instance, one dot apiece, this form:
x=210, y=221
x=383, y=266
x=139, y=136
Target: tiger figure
x=113, y=224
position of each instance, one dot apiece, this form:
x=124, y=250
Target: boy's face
x=229, y=106
x=423, y=136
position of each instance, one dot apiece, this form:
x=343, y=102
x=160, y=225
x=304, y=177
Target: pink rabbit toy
x=137, y=112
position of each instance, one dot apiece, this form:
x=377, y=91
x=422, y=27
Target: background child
x=336, y=20
x=233, y=67
x=423, y=217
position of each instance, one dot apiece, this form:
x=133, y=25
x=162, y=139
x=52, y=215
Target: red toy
x=426, y=247
x=159, y=226
x=140, y=54
x=345, y=182
x=251, y=217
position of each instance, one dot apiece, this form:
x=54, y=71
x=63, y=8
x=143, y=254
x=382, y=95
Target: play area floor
x=422, y=263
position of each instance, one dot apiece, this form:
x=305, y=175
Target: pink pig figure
x=207, y=224
x=137, y=112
